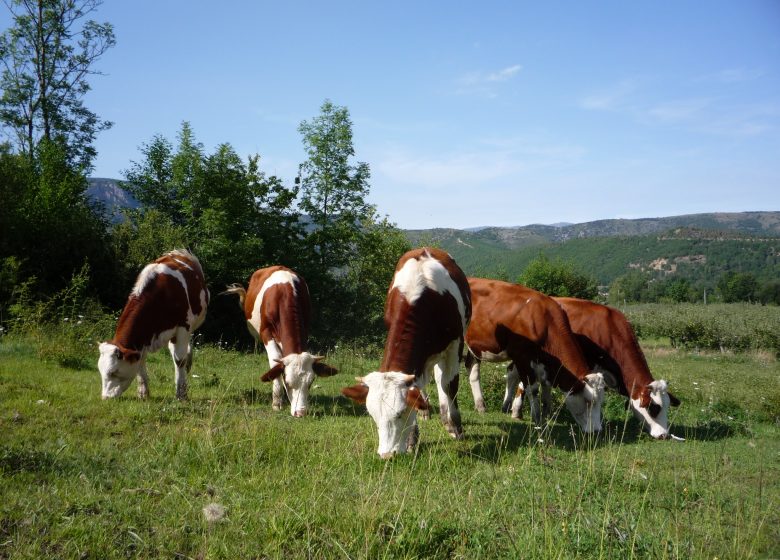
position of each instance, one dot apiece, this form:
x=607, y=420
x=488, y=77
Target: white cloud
x=483, y=83
x=679, y=110
x=609, y=99
x=732, y=75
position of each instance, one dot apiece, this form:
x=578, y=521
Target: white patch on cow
x=427, y=272
x=278, y=277
x=585, y=406
x=658, y=426
x=386, y=403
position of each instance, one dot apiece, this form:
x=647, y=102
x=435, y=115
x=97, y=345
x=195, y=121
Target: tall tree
x=333, y=190
x=47, y=57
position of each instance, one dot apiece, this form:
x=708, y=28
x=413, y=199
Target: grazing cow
x=512, y=322
x=609, y=345
x=167, y=303
x=278, y=313
x=427, y=311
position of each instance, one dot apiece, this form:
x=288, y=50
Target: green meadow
x=223, y=476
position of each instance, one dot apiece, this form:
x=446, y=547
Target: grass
x=83, y=478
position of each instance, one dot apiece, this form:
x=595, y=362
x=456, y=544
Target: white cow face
x=585, y=406
x=299, y=372
x=392, y=401
x=654, y=411
x=117, y=369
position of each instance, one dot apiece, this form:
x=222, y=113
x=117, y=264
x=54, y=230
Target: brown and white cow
x=278, y=314
x=427, y=311
x=167, y=303
x=610, y=345
x=514, y=323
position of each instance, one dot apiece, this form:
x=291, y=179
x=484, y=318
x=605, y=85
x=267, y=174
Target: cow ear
x=357, y=393
x=674, y=401
x=644, y=398
x=409, y=379
x=274, y=372
x=414, y=399
x=324, y=370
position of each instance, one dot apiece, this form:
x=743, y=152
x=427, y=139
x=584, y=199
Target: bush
x=737, y=327
x=64, y=328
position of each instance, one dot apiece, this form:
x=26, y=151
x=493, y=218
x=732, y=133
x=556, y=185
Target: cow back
x=278, y=307
x=169, y=293
x=428, y=307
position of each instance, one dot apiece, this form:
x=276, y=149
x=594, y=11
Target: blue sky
x=469, y=113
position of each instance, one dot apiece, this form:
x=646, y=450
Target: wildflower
x=214, y=512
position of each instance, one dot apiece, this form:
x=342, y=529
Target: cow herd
x=432, y=312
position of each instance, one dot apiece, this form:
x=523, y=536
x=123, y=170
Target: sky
x=468, y=113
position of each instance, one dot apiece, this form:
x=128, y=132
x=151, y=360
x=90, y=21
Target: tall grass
x=83, y=478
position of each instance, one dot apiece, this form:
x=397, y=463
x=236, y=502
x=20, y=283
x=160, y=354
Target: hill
x=699, y=247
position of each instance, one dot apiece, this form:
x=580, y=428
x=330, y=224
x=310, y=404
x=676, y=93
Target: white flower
x=214, y=512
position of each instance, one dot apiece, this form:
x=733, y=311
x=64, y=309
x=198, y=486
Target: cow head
x=585, y=406
x=299, y=372
x=392, y=401
x=117, y=366
x=651, y=407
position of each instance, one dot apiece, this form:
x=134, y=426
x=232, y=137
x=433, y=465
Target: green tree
x=333, y=190
x=630, y=287
x=47, y=56
x=737, y=286
x=558, y=278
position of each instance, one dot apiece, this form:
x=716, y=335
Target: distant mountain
x=698, y=247
x=113, y=197
x=748, y=223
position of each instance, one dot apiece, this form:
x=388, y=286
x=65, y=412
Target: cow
x=514, y=323
x=166, y=305
x=427, y=310
x=278, y=314
x=610, y=345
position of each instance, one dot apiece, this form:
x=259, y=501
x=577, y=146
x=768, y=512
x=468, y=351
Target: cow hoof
x=480, y=407
x=276, y=407
x=143, y=395
x=424, y=414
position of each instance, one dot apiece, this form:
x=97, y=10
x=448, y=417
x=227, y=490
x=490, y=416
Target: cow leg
x=424, y=414
x=546, y=399
x=446, y=374
x=533, y=401
x=473, y=364
x=143, y=380
x=179, y=347
x=517, y=402
x=512, y=383
x=278, y=389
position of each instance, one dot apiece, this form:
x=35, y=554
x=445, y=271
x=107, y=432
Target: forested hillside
x=699, y=256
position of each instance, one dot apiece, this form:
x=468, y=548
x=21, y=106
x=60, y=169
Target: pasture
x=223, y=476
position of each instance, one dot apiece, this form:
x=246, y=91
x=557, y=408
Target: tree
x=737, y=286
x=47, y=56
x=333, y=190
x=558, y=278
x=630, y=287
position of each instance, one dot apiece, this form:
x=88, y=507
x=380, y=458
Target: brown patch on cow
x=415, y=399
x=357, y=393
x=324, y=370
x=273, y=373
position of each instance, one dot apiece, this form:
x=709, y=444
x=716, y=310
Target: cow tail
x=237, y=289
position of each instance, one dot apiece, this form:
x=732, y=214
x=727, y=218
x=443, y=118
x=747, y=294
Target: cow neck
x=134, y=330
x=403, y=350
x=291, y=331
x=625, y=350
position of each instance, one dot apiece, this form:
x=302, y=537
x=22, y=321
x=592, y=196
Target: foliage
x=47, y=56
x=558, y=278
x=736, y=327
x=333, y=190
x=64, y=327
x=80, y=477
x=50, y=229
x=737, y=286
